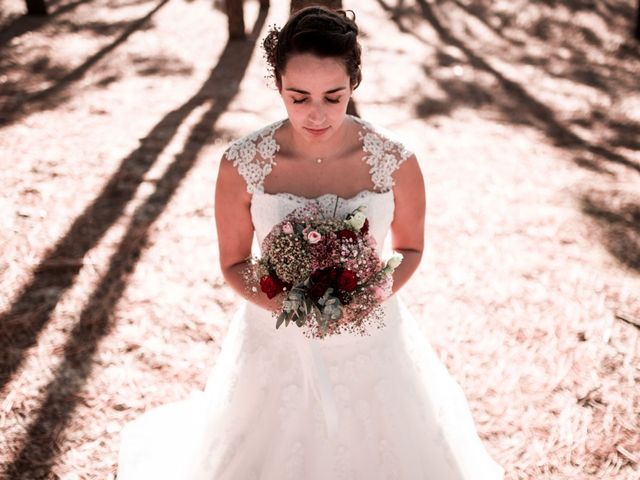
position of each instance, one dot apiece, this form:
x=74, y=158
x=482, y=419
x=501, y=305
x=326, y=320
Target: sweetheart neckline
x=307, y=199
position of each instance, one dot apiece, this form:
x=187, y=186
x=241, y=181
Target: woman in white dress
x=279, y=405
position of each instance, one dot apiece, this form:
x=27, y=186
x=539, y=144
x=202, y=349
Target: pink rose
x=287, y=228
x=379, y=293
x=313, y=237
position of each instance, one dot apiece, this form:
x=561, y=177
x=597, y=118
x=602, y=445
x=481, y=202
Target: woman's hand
x=237, y=275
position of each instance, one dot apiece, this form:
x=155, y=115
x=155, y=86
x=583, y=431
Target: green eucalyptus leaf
x=308, y=306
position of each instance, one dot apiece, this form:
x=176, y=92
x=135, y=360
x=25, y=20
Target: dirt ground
x=526, y=120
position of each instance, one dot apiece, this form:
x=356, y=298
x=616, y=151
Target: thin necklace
x=319, y=160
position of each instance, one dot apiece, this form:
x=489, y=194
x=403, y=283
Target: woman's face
x=315, y=92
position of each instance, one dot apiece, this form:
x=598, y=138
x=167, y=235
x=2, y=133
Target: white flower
x=314, y=237
x=357, y=220
x=287, y=228
x=394, y=261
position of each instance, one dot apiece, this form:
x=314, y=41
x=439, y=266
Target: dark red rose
x=319, y=275
x=271, y=285
x=317, y=290
x=325, y=275
x=365, y=228
x=347, y=281
x=333, y=273
x=346, y=233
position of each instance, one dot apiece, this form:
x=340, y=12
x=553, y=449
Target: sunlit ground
x=525, y=117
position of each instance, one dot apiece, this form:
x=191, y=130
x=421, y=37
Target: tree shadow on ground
x=619, y=223
x=564, y=58
x=98, y=28
x=29, y=314
x=597, y=136
x=159, y=65
x=20, y=103
x=26, y=23
x=519, y=101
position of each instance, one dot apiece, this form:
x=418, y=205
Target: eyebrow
x=304, y=92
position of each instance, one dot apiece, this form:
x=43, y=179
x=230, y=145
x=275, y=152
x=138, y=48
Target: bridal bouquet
x=326, y=270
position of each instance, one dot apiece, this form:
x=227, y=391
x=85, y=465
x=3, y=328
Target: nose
x=317, y=116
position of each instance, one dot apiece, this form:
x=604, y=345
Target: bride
x=278, y=405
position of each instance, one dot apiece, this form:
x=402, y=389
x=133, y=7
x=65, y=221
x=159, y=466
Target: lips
x=316, y=131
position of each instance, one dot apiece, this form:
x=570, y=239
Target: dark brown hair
x=318, y=31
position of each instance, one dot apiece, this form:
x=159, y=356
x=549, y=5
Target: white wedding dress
x=279, y=406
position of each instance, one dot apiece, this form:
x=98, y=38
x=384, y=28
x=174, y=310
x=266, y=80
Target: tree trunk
x=235, y=18
x=638, y=22
x=36, y=8
x=298, y=4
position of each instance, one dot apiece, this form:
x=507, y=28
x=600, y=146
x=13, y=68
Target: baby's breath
x=294, y=249
x=327, y=271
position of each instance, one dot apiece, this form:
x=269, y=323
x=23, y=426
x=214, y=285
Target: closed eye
x=330, y=100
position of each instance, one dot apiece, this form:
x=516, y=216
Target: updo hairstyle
x=319, y=31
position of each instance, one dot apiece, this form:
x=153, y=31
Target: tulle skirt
x=279, y=406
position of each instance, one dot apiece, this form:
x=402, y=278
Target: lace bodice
x=254, y=156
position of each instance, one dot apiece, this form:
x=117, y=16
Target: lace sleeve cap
x=253, y=156
x=385, y=153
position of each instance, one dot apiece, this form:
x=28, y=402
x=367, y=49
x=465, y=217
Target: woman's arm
x=235, y=233
x=407, y=228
